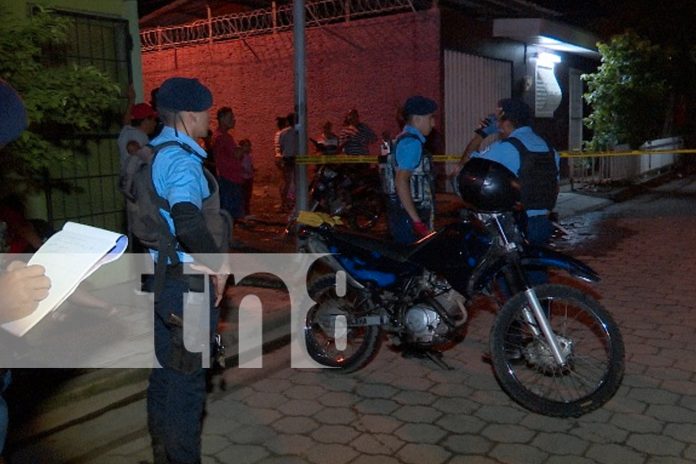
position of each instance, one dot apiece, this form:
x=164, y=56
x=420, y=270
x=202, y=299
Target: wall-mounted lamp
x=548, y=59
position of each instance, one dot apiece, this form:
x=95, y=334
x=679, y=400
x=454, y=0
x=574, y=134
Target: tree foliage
x=629, y=93
x=63, y=100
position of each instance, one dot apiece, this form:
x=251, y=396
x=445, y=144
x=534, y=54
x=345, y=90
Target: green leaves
x=628, y=93
x=63, y=100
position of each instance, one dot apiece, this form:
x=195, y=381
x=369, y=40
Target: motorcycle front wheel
x=586, y=334
x=331, y=339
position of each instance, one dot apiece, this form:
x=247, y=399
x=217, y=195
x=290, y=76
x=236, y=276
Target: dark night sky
x=148, y=6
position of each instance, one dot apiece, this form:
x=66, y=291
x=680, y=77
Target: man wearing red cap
x=136, y=135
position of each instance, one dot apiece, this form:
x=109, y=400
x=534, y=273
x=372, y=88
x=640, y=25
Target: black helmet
x=488, y=186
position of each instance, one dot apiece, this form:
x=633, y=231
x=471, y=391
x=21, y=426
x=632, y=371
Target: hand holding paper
x=68, y=257
x=21, y=289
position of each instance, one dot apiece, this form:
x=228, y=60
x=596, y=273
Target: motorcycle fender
x=537, y=256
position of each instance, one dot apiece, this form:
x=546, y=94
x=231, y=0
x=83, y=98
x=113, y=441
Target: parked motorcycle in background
x=554, y=349
x=352, y=193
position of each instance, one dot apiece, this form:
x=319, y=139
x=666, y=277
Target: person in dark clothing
x=22, y=287
x=356, y=136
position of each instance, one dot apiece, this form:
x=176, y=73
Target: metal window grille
x=103, y=43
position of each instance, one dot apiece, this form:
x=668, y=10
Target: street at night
x=347, y=232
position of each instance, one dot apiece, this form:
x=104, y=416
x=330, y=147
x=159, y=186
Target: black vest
x=538, y=176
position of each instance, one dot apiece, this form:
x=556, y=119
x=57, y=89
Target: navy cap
x=13, y=115
x=418, y=105
x=515, y=110
x=184, y=94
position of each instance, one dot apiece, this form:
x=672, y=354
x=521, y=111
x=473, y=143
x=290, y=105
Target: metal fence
x=624, y=166
x=101, y=42
x=270, y=20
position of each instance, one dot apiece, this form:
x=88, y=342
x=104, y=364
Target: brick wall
x=372, y=65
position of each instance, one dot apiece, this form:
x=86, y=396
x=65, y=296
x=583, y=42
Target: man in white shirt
x=136, y=135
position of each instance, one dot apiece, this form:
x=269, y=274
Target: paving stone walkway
x=405, y=411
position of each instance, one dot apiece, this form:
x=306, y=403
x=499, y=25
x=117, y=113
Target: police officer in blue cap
x=177, y=391
x=409, y=179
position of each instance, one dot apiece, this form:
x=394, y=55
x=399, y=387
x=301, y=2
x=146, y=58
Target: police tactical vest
x=538, y=176
x=422, y=187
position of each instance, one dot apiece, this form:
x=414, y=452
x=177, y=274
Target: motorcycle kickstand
x=434, y=356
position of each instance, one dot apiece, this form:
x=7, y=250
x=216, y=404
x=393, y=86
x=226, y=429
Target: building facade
x=373, y=63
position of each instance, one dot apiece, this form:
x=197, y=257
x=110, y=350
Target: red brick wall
x=372, y=65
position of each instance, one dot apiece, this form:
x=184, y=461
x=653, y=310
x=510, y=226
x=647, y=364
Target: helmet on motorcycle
x=488, y=186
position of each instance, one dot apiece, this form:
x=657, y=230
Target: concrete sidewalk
x=571, y=203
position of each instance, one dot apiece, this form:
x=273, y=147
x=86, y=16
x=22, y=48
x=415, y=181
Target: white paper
x=69, y=257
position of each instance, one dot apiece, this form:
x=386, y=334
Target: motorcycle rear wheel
x=588, y=335
x=365, y=213
x=355, y=346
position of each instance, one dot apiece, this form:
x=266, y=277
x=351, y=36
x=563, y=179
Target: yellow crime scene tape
x=373, y=159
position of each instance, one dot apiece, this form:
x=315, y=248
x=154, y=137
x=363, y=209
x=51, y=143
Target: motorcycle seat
x=392, y=250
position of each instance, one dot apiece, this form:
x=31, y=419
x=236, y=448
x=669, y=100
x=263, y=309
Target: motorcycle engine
x=424, y=323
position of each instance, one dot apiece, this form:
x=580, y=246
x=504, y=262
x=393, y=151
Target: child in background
x=247, y=176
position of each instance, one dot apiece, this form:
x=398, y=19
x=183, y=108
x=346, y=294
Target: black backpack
x=143, y=205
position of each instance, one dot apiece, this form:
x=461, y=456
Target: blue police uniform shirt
x=409, y=150
x=177, y=175
x=507, y=155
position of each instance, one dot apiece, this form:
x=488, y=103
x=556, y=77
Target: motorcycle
x=554, y=349
x=354, y=196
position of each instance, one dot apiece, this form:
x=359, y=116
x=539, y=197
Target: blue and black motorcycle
x=554, y=348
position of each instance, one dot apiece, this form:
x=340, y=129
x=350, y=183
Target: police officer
x=176, y=392
x=529, y=156
x=410, y=191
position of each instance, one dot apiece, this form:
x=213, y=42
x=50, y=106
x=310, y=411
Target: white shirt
x=130, y=134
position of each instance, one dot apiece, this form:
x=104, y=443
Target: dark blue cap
x=13, y=115
x=516, y=111
x=418, y=105
x=184, y=94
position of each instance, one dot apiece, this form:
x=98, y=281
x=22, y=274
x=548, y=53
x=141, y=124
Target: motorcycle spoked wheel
x=353, y=348
x=526, y=369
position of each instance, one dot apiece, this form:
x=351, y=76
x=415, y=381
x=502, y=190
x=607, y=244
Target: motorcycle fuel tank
x=454, y=252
